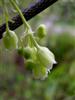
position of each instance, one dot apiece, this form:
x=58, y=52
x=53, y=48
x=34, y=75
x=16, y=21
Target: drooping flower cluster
x=40, y=59
x=37, y=58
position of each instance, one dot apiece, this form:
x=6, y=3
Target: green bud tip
x=41, y=31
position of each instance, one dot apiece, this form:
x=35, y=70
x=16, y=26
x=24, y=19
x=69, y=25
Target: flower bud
x=41, y=31
x=29, y=52
x=10, y=40
x=20, y=51
x=45, y=57
x=30, y=64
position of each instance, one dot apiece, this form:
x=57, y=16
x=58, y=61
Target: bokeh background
x=16, y=81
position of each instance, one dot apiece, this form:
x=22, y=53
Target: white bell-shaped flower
x=46, y=57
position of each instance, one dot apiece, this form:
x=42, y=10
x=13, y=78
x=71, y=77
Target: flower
x=40, y=72
x=46, y=57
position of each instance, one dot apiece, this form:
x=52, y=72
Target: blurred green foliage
x=60, y=84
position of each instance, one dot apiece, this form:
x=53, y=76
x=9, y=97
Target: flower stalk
x=20, y=13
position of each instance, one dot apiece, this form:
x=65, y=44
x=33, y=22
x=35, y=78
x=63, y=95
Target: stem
x=6, y=16
x=20, y=13
x=34, y=41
